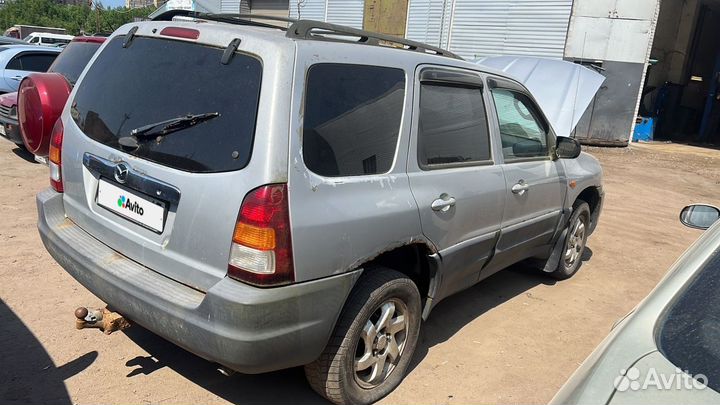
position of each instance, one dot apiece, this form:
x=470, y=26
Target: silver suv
x=268, y=198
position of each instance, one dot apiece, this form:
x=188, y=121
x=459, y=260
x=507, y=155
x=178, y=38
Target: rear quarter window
x=352, y=118
x=71, y=62
x=154, y=80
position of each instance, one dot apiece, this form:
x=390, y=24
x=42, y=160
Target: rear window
x=73, y=60
x=352, y=119
x=155, y=80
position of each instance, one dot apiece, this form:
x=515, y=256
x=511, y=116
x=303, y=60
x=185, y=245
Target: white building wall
x=611, y=30
x=429, y=21
x=476, y=28
x=344, y=12
x=308, y=9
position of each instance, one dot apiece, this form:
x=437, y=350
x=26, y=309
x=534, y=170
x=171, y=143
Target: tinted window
x=53, y=41
x=14, y=64
x=155, y=80
x=523, y=131
x=37, y=62
x=690, y=330
x=452, y=126
x=73, y=59
x=352, y=119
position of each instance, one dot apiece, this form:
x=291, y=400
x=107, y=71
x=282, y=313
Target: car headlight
x=13, y=112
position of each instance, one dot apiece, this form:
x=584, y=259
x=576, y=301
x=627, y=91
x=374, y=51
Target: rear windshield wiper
x=163, y=128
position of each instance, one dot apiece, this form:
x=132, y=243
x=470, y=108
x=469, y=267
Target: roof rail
x=313, y=30
x=238, y=19
x=318, y=30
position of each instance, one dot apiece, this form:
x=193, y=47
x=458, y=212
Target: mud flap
x=552, y=262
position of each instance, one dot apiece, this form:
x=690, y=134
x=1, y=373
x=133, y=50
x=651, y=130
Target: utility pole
x=97, y=5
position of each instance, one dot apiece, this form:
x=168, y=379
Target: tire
x=333, y=375
x=575, y=239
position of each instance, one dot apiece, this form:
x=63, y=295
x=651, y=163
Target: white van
x=48, y=39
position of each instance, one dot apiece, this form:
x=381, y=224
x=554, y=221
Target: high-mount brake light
x=179, y=32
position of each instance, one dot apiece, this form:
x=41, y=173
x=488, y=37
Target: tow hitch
x=103, y=319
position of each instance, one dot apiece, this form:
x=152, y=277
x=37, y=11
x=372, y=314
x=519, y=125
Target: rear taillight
x=261, y=251
x=55, y=158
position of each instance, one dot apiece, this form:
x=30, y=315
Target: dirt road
x=515, y=338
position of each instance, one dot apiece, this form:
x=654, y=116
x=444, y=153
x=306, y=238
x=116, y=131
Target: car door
x=25, y=63
x=459, y=190
x=13, y=73
x=535, y=181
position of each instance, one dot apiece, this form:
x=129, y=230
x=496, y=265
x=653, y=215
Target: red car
x=42, y=96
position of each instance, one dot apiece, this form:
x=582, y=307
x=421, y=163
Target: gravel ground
x=515, y=338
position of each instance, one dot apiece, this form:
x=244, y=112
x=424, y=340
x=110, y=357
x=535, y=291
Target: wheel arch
x=417, y=259
x=593, y=197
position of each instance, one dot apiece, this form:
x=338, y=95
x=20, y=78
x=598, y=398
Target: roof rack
x=318, y=30
x=238, y=19
x=313, y=30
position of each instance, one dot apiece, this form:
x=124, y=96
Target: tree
x=75, y=19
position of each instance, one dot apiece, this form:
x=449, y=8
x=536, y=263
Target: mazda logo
x=121, y=172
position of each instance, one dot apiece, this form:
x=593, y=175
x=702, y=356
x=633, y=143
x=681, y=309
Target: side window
x=452, y=126
x=352, y=118
x=34, y=40
x=37, y=62
x=14, y=63
x=523, y=131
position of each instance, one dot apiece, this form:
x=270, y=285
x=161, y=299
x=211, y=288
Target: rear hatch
x=166, y=196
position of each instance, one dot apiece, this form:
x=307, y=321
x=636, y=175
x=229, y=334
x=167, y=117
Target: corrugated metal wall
x=345, y=12
x=492, y=27
x=308, y=9
x=277, y=8
x=235, y=6
x=429, y=21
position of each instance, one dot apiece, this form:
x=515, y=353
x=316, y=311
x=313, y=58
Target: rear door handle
x=18, y=78
x=443, y=203
x=520, y=188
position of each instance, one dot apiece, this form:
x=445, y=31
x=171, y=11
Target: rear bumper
x=248, y=329
x=12, y=130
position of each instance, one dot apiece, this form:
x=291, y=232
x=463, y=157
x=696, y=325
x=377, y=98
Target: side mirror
x=699, y=216
x=567, y=148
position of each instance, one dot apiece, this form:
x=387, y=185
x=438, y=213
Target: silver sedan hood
x=563, y=89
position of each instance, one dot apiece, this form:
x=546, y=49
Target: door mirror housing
x=567, y=148
x=699, y=216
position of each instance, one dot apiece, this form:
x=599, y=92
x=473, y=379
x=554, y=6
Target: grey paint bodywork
x=338, y=224
x=229, y=324
x=632, y=343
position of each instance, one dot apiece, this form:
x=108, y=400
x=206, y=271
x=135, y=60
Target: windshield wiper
x=162, y=128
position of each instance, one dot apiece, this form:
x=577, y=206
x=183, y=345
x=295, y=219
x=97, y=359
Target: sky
x=113, y=3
